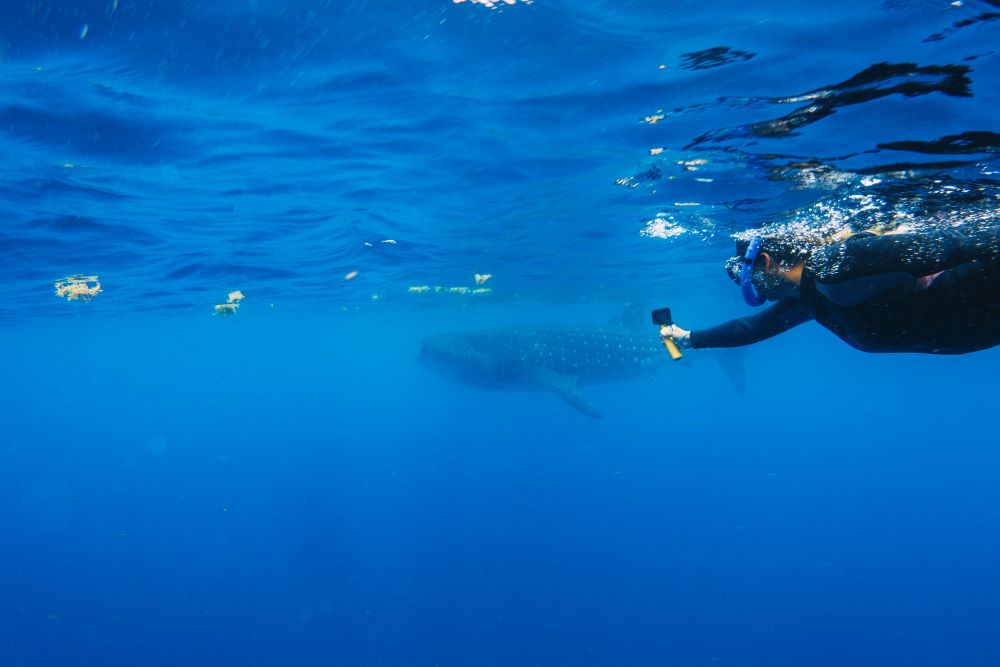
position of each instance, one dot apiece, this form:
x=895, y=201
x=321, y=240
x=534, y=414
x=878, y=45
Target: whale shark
x=556, y=358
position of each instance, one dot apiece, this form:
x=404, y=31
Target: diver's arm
x=782, y=316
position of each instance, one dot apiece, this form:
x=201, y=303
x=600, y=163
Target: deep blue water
x=288, y=485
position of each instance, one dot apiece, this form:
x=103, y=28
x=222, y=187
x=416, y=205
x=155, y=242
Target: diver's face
x=776, y=279
x=773, y=279
x=772, y=286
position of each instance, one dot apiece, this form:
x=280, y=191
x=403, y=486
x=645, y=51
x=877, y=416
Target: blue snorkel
x=751, y=294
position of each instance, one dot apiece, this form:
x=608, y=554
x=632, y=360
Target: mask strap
x=751, y=294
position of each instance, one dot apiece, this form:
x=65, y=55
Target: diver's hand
x=682, y=337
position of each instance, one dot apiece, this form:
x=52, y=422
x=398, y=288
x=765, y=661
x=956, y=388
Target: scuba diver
x=935, y=293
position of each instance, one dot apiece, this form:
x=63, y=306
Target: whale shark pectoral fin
x=566, y=388
x=731, y=360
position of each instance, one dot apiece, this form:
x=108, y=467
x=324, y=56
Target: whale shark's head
x=462, y=357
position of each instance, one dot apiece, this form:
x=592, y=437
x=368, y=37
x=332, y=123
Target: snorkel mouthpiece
x=751, y=294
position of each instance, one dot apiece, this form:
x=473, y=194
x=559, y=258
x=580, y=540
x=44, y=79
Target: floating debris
x=655, y=118
x=692, y=165
x=481, y=278
x=389, y=241
x=351, y=276
x=462, y=289
x=77, y=287
x=226, y=309
x=655, y=151
x=232, y=305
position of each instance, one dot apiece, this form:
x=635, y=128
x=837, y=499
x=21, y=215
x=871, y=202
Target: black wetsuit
x=885, y=294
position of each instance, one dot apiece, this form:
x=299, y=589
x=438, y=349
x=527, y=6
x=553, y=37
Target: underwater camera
x=663, y=318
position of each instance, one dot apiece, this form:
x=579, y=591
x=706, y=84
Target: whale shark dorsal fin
x=566, y=388
x=632, y=316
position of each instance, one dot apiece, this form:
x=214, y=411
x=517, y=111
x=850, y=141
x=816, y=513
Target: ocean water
x=288, y=486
